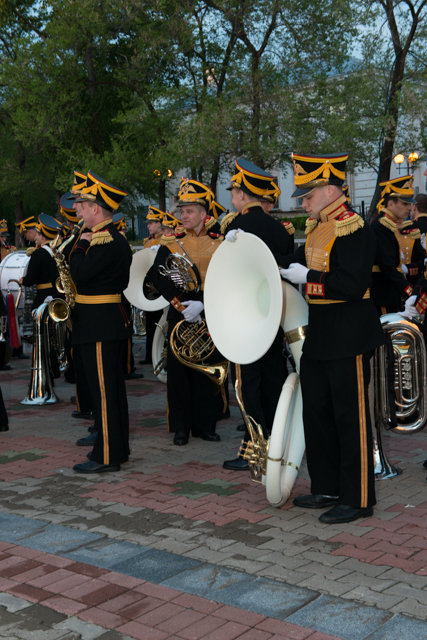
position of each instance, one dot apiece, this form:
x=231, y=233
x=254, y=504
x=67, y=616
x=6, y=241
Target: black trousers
x=337, y=428
x=105, y=378
x=192, y=399
x=83, y=396
x=261, y=383
x=4, y=422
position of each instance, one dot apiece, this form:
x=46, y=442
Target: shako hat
x=317, y=171
x=194, y=192
x=24, y=225
x=254, y=181
x=66, y=207
x=48, y=226
x=216, y=209
x=3, y=226
x=401, y=188
x=119, y=221
x=346, y=192
x=78, y=183
x=101, y=192
x=154, y=214
x=169, y=220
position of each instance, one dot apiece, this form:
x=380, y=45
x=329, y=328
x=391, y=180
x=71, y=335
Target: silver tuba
x=245, y=303
x=400, y=380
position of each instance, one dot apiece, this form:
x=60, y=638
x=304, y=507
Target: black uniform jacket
x=389, y=285
x=41, y=271
x=343, y=321
x=101, y=268
x=254, y=220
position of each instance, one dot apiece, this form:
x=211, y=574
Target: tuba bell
x=140, y=292
x=245, y=302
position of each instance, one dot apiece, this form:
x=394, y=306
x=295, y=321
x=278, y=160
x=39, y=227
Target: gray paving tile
x=106, y=554
x=210, y=581
x=400, y=627
x=154, y=566
x=58, y=539
x=344, y=619
x=14, y=528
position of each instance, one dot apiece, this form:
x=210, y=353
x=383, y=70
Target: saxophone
x=64, y=283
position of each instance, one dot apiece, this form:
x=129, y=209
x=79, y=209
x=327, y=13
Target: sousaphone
x=245, y=303
x=140, y=292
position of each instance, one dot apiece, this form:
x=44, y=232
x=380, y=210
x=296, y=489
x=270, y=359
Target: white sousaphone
x=142, y=261
x=245, y=303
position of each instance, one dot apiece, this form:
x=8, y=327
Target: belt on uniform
x=108, y=298
x=44, y=285
x=366, y=295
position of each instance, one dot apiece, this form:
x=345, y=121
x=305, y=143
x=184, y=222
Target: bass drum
x=159, y=346
x=13, y=267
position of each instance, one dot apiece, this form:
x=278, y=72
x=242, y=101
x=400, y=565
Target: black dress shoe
x=223, y=416
x=92, y=428
x=123, y=461
x=425, y=464
x=89, y=441
x=345, y=513
x=134, y=376
x=83, y=415
x=4, y=428
x=180, y=439
x=95, y=467
x=145, y=362
x=5, y=367
x=241, y=427
x=211, y=437
x=315, y=501
x=238, y=464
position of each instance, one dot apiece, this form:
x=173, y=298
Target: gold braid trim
x=227, y=220
x=101, y=237
x=310, y=225
x=349, y=225
x=164, y=240
x=289, y=227
x=209, y=223
x=389, y=224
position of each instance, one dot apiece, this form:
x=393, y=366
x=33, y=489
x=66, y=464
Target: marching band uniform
x=5, y=248
x=412, y=253
x=191, y=395
x=42, y=270
x=260, y=383
x=389, y=285
x=100, y=270
x=343, y=331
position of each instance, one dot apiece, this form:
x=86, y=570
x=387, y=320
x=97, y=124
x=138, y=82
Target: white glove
x=231, y=235
x=155, y=247
x=410, y=311
x=193, y=310
x=404, y=269
x=295, y=273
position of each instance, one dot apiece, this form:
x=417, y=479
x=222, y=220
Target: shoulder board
x=389, y=224
x=310, y=225
x=214, y=235
x=411, y=232
x=209, y=222
x=227, y=220
x=289, y=227
x=347, y=223
x=164, y=240
x=30, y=251
x=180, y=233
x=101, y=237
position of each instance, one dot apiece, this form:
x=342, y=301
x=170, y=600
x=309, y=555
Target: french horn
x=137, y=291
x=245, y=303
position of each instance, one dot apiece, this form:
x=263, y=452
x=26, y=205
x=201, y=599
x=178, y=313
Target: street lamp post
x=399, y=159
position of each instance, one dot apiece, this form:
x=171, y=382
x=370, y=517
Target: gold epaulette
x=101, y=237
x=348, y=223
x=209, y=222
x=389, y=224
x=310, y=225
x=227, y=220
x=164, y=240
x=409, y=231
x=30, y=251
x=289, y=227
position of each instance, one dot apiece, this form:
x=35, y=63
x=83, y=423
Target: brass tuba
x=245, y=302
x=400, y=386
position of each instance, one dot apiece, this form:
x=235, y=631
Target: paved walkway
x=174, y=547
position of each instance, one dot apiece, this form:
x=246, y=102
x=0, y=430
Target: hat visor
x=301, y=191
x=407, y=199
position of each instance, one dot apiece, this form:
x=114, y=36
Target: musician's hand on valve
x=295, y=273
x=410, y=311
x=231, y=236
x=192, y=311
